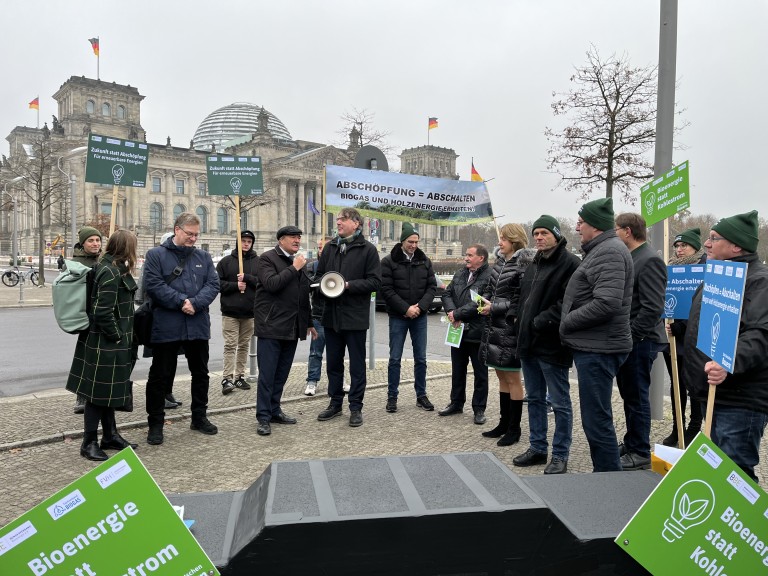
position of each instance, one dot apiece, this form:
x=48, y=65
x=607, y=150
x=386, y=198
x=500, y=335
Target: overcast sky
x=485, y=69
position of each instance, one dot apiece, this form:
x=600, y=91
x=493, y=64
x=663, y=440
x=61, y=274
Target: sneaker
x=227, y=386
x=311, y=388
x=330, y=412
x=556, y=466
x=242, y=384
x=356, y=418
x=391, y=404
x=205, y=426
x=424, y=403
x=346, y=386
x=479, y=417
x=632, y=461
x=155, y=435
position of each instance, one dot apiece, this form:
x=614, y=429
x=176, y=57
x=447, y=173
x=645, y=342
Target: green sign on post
x=235, y=175
x=113, y=520
x=666, y=196
x=705, y=517
x=116, y=162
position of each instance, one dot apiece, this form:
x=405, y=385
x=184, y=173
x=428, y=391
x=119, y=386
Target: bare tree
x=361, y=120
x=612, y=110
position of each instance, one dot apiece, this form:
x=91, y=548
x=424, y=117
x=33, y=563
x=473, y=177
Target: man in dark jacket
x=238, y=292
x=741, y=403
x=282, y=317
x=545, y=361
x=346, y=317
x=595, y=326
x=461, y=309
x=648, y=339
x=181, y=281
x=408, y=284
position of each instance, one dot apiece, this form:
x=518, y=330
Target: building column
x=282, y=204
x=301, y=194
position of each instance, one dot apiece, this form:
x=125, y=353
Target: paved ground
x=40, y=436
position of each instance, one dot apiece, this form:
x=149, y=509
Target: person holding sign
x=461, y=308
x=740, y=410
x=408, y=284
x=106, y=353
x=595, y=325
x=544, y=359
x=648, y=339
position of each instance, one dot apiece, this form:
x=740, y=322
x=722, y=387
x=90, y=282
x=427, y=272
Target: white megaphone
x=332, y=285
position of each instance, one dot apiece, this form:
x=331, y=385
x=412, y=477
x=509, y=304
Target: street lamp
x=73, y=197
x=15, y=233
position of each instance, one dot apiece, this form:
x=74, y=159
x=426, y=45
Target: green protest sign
x=116, y=162
x=705, y=517
x=666, y=195
x=114, y=520
x=234, y=175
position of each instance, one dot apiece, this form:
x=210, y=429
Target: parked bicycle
x=12, y=276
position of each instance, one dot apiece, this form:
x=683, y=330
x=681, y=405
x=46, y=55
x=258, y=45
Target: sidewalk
x=40, y=436
x=34, y=296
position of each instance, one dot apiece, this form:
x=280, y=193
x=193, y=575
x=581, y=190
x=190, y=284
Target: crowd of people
x=530, y=314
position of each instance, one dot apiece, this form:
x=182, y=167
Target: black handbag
x=143, y=316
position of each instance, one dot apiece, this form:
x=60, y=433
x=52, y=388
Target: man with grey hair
x=182, y=283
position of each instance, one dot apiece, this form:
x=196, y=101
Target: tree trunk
x=40, y=242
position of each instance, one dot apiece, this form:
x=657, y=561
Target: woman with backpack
x=105, y=354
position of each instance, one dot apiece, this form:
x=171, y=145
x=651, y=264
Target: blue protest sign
x=682, y=282
x=720, y=315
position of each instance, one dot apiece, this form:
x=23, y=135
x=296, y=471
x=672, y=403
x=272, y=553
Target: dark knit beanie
x=598, y=213
x=740, y=229
x=86, y=232
x=408, y=230
x=692, y=237
x=548, y=222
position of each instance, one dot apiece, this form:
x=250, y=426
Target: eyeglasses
x=190, y=234
x=714, y=239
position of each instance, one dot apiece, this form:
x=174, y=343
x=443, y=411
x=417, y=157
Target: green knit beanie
x=86, y=232
x=598, y=214
x=692, y=237
x=548, y=222
x=740, y=229
x=408, y=230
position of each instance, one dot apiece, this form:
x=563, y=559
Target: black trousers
x=164, y=364
x=460, y=358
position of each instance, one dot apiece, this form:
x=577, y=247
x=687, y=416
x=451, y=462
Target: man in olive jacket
x=460, y=308
x=281, y=318
x=346, y=317
x=544, y=359
x=408, y=284
x=595, y=325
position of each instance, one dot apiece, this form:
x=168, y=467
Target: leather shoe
x=282, y=418
x=330, y=412
x=169, y=398
x=204, y=425
x=170, y=405
x=450, y=410
x=117, y=442
x=356, y=418
x=479, y=417
x=556, y=466
x=529, y=458
x=264, y=429
x=155, y=435
x=632, y=461
x=91, y=451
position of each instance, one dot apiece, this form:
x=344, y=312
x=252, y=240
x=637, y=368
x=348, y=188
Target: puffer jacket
x=746, y=388
x=598, y=298
x=198, y=282
x=405, y=282
x=457, y=299
x=236, y=304
x=541, y=302
x=499, y=341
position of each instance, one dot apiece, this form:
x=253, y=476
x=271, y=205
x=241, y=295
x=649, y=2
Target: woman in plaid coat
x=106, y=353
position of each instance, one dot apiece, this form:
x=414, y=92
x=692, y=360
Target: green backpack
x=71, y=293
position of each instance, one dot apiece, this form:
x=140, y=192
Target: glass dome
x=234, y=121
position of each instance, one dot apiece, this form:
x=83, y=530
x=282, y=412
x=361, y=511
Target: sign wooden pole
x=113, y=215
x=239, y=244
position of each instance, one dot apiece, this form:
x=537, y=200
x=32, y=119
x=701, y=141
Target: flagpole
x=38, y=113
x=98, y=59
x=428, y=132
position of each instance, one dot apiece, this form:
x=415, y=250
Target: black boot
x=513, y=433
x=90, y=448
x=671, y=440
x=503, y=424
x=111, y=439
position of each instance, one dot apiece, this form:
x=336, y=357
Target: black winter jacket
x=282, y=309
x=358, y=261
x=541, y=303
x=650, y=286
x=457, y=299
x=598, y=298
x=747, y=387
x=499, y=341
x=405, y=283
x=235, y=304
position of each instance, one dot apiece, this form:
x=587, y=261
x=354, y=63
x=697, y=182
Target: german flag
x=95, y=45
x=35, y=104
x=475, y=176
x=432, y=123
